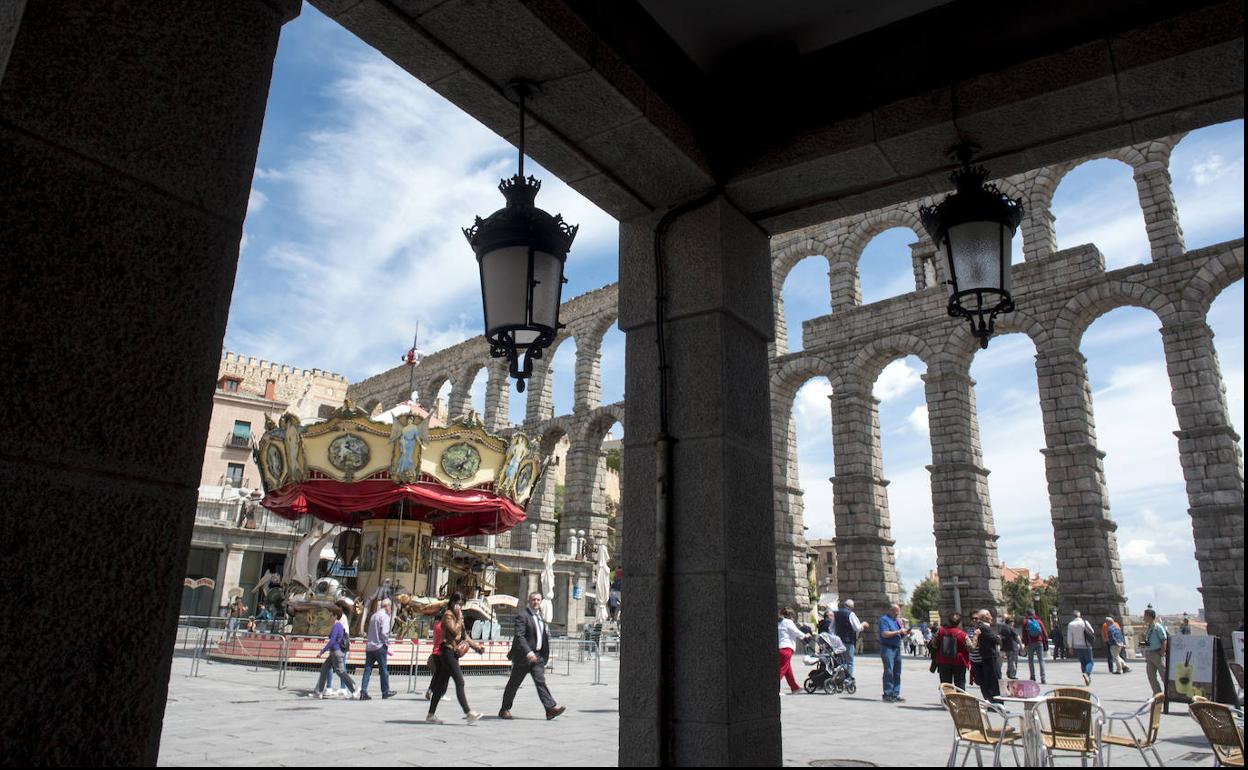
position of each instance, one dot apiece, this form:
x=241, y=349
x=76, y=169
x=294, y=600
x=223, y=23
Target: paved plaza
x=233, y=714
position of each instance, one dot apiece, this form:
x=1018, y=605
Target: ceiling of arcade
x=636, y=96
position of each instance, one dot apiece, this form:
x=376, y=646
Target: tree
x=1017, y=595
x=613, y=459
x=924, y=599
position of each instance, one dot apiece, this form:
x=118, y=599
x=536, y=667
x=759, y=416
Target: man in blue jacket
x=891, y=634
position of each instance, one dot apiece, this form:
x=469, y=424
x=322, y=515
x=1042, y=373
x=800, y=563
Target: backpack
x=1032, y=627
x=948, y=645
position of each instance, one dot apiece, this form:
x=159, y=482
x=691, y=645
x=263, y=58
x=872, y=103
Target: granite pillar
x=128, y=137
x=1213, y=467
x=718, y=671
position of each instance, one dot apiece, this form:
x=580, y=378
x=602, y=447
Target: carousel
x=397, y=497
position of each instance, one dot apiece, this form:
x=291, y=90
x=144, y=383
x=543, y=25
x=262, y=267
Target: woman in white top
x=788, y=636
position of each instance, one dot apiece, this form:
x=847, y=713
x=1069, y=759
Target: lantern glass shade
x=979, y=256
x=504, y=282
x=547, y=289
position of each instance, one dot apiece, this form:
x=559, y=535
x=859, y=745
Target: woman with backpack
x=949, y=653
x=1035, y=643
x=337, y=645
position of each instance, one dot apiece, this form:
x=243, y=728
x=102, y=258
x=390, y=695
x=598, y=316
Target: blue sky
x=365, y=177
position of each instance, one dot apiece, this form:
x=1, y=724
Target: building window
x=234, y=475
x=228, y=384
x=241, y=436
x=831, y=569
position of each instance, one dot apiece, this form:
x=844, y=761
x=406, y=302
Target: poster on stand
x=1190, y=669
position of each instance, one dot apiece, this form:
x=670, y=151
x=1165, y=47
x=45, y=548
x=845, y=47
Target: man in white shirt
x=1080, y=637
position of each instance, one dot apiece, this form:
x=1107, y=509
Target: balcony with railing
x=237, y=514
x=238, y=440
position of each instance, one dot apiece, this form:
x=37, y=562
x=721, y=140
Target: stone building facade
x=1059, y=294
x=306, y=392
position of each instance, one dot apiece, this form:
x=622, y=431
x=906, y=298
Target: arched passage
x=1011, y=437
x=886, y=266
x=612, y=366
x=905, y=453
x=1097, y=202
x=804, y=296
x=562, y=376
x=1127, y=373
x=1207, y=173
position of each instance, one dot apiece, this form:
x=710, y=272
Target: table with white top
x=1033, y=746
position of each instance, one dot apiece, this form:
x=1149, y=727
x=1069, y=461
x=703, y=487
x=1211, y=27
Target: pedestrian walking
x=1010, y=643
x=454, y=644
x=788, y=635
x=434, y=657
x=891, y=633
x=530, y=649
x=950, y=657
x=847, y=626
x=1155, y=643
x=335, y=649
x=1185, y=628
x=985, y=655
x=1080, y=638
x=377, y=649
x=1115, y=646
x=1035, y=638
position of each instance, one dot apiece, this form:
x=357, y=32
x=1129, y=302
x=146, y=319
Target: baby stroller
x=831, y=674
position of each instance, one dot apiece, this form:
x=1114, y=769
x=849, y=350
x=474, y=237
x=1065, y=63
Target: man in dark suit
x=529, y=650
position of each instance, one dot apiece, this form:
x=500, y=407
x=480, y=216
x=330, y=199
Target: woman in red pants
x=789, y=636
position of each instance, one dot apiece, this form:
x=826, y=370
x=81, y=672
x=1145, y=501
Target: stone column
x=1039, y=233
x=723, y=556
x=923, y=256
x=541, y=511
x=460, y=401
x=791, y=580
x=584, y=507
x=866, y=565
x=1161, y=216
x=779, y=344
x=1213, y=466
x=538, y=404
x=1083, y=533
x=966, y=539
x=587, y=389
x=128, y=139
x=846, y=290
x=497, y=397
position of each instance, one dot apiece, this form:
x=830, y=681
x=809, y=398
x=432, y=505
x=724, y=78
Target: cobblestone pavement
x=234, y=715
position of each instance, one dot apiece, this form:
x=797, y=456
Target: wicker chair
x=1225, y=737
x=1139, y=735
x=1072, y=725
x=1081, y=693
x=973, y=726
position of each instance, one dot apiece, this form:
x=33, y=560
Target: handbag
x=461, y=648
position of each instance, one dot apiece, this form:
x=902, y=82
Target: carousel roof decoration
x=459, y=477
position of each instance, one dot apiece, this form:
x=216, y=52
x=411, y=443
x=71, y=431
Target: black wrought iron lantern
x=521, y=251
x=975, y=226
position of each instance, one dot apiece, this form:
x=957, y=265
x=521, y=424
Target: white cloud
x=811, y=402
x=1141, y=553
x=896, y=380
x=255, y=202
x=372, y=200
x=1211, y=168
x=917, y=420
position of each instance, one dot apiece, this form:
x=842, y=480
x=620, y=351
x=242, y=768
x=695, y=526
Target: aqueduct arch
x=1059, y=292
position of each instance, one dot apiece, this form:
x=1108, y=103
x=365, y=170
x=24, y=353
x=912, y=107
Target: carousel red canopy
x=453, y=513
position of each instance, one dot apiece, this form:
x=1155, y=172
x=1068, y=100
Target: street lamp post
x=521, y=251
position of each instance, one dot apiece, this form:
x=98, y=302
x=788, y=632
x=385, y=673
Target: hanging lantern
x=975, y=226
x=521, y=251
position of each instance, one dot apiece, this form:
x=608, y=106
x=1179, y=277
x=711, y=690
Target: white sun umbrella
x=548, y=585
x=602, y=584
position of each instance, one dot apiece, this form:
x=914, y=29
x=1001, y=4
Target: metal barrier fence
x=283, y=653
